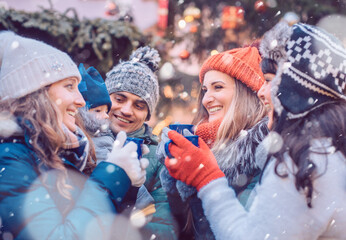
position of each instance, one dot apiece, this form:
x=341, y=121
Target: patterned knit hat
x=137, y=76
x=240, y=63
x=311, y=68
x=28, y=65
x=93, y=88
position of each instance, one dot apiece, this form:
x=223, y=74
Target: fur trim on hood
x=95, y=127
x=9, y=126
x=237, y=160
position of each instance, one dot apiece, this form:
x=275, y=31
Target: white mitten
x=126, y=158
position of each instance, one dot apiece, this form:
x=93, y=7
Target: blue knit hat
x=93, y=88
x=311, y=68
x=137, y=76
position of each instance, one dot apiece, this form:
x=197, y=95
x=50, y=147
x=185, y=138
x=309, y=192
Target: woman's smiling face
x=218, y=89
x=264, y=94
x=66, y=96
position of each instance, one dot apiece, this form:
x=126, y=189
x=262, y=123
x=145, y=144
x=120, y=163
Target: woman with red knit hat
x=302, y=191
x=231, y=120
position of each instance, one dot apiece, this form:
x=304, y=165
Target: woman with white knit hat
x=43, y=192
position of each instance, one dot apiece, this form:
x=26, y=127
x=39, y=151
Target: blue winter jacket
x=31, y=206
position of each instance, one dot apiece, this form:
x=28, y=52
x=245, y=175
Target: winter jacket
x=162, y=225
x=103, y=140
x=31, y=206
x=241, y=161
x=279, y=210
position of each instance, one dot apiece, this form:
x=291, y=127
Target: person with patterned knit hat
x=44, y=193
x=231, y=120
x=94, y=119
x=134, y=91
x=302, y=191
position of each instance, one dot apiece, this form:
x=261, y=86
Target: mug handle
x=167, y=150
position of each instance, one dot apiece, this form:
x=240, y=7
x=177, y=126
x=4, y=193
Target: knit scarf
x=208, y=131
x=77, y=155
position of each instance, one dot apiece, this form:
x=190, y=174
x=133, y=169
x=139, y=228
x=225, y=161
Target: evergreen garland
x=99, y=42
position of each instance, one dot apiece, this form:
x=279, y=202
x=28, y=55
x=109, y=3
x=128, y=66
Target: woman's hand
x=126, y=157
x=193, y=165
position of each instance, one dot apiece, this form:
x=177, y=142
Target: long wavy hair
x=327, y=121
x=39, y=118
x=244, y=112
x=91, y=161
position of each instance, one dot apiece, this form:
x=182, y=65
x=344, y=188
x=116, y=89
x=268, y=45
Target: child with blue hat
x=94, y=92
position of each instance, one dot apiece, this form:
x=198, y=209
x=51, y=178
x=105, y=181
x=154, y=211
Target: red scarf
x=207, y=131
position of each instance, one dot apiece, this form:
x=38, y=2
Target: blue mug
x=180, y=127
x=139, y=142
x=193, y=139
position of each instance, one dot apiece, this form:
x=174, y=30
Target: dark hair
x=269, y=66
x=327, y=121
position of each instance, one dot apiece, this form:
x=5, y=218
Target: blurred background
x=101, y=32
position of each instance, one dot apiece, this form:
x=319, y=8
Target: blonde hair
x=39, y=116
x=237, y=117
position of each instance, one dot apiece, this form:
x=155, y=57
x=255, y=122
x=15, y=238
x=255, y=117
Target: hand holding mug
x=126, y=157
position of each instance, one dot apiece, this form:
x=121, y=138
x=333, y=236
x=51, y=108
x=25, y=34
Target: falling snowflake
x=273, y=142
x=7, y=236
x=137, y=219
x=58, y=101
x=110, y=168
x=15, y=44
x=116, y=143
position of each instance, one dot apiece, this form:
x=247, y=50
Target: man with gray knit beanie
x=134, y=91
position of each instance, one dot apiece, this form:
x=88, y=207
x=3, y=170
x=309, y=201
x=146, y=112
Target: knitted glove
x=126, y=158
x=193, y=165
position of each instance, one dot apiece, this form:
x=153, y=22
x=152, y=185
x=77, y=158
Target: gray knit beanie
x=27, y=65
x=137, y=76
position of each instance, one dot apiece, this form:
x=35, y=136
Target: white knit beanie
x=27, y=65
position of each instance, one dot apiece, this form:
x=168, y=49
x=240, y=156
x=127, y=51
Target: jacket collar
x=144, y=132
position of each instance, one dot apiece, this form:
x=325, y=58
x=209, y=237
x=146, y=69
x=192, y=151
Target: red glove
x=193, y=165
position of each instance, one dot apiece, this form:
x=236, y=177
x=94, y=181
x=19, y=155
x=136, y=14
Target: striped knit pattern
x=311, y=68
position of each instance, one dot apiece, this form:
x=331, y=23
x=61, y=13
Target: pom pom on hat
x=240, y=63
x=137, y=76
x=93, y=88
x=28, y=65
x=147, y=56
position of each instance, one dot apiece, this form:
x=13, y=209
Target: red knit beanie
x=240, y=63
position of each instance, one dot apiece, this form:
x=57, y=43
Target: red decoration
x=193, y=29
x=163, y=16
x=184, y=54
x=232, y=17
x=260, y=6
x=112, y=9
